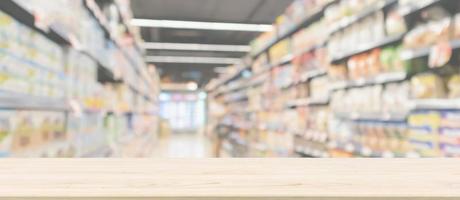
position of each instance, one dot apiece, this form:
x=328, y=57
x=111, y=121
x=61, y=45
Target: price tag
x=440, y=54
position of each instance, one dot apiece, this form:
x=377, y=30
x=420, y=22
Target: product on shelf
x=31, y=63
x=380, y=63
x=36, y=66
x=309, y=64
x=456, y=25
x=424, y=132
x=261, y=42
x=347, y=8
x=428, y=85
x=260, y=64
x=454, y=87
x=377, y=62
x=337, y=72
x=381, y=138
x=390, y=59
x=395, y=23
x=280, y=51
x=450, y=133
x=26, y=132
x=370, y=29
x=319, y=88
x=428, y=34
x=396, y=98
x=309, y=38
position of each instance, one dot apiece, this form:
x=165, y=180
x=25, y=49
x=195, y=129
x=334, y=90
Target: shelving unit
x=315, y=15
x=89, y=92
x=367, y=47
x=10, y=101
x=356, y=99
x=353, y=19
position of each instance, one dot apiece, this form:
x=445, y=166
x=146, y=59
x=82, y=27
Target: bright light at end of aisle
x=196, y=47
x=202, y=95
x=200, y=60
x=192, y=86
x=201, y=25
x=164, y=97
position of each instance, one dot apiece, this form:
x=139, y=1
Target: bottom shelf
x=13, y=101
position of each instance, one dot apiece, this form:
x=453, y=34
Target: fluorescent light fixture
x=198, y=60
x=196, y=47
x=201, y=25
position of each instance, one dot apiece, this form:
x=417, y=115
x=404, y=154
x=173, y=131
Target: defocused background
x=229, y=78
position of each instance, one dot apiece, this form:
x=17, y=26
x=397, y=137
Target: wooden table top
x=230, y=178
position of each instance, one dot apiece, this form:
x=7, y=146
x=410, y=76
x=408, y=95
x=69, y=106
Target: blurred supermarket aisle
x=183, y=145
x=284, y=78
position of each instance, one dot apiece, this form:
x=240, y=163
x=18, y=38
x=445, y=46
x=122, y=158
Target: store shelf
x=92, y=11
x=379, y=79
x=283, y=61
x=365, y=152
x=126, y=25
x=424, y=52
x=347, y=22
x=109, y=36
x=102, y=151
x=304, y=23
x=367, y=47
x=312, y=74
x=308, y=50
x=385, y=117
x=234, y=86
x=436, y=104
x=22, y=15
x=136, y=90
x=230, y=77
x=237, y=99
x=45, y=151
x=308, y=154
x=307, y=102
x=409, y=10
x=12, y=101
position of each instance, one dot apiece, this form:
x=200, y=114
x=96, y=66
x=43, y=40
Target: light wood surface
x=322, y=179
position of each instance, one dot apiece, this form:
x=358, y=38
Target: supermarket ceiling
x=226, y=11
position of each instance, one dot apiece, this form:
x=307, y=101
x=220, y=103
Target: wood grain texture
x=322, y=179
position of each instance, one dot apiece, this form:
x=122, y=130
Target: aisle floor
x=183, y=145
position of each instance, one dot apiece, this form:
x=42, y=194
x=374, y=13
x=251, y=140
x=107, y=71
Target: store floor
x=183, y=145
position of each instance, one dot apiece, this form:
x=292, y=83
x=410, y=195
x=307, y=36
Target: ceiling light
x=198, y=60
x=201, y=25
x=196, y=47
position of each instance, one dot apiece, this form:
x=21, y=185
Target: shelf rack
x=367, y=47
x=384, y=78
x=424, y=52
x=347, y=22
x=231, y=77
x=13, y=9
x=13, y=101
x=115, y=42
x=317, y=14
